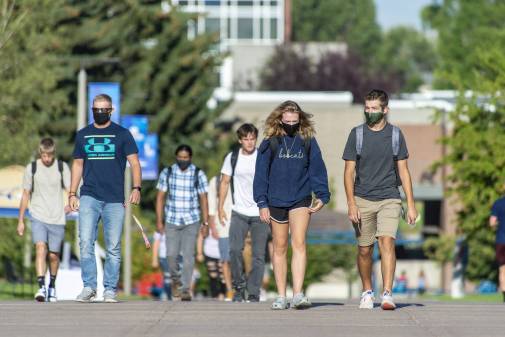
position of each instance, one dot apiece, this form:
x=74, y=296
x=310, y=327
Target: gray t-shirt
x=47, y=204
x=377, y=176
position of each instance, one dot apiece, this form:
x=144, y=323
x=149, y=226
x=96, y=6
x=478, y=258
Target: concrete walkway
x=208, y=318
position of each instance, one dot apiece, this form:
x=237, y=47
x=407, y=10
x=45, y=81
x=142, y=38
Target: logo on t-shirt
x=100, y=147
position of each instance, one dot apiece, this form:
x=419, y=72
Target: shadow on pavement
x=325, y=304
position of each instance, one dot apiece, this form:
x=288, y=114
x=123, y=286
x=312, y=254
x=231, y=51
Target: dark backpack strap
x=60, y=169
x=234, y=160
x=169, y=173
x=196, y=180
x=34, y=169
x=395, y=139
x=274, y=145
x=306, y=149
x=359, y=147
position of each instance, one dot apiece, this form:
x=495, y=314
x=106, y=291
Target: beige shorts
x=378, y=218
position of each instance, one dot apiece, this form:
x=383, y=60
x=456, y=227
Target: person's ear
x=386, y=110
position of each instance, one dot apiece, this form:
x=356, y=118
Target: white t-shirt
x=243, y=182
x=222, y=231
x=162, y=250
x=211, y=247
x=47, y=203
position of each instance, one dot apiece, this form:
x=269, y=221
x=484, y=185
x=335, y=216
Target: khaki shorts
x=378, y=218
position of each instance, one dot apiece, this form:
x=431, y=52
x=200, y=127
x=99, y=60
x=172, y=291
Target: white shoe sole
x=40, y=298
x=388, y=306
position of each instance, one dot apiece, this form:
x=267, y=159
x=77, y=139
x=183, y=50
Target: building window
x=273, y=29
x=212, y=25
x=245, y=28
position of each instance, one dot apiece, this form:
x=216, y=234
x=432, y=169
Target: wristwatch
x=206, y=223
x=137, y=188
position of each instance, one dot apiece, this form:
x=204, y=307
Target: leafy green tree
x=472, y=48
x=353, y=22
x=408, y=53
x=462, y=26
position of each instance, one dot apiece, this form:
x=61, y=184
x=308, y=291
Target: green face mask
x=373, y=118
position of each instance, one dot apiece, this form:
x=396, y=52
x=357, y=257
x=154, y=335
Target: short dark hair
x=47, y=145
x=379, y=94
x=102, y=97
x=184, y=147
x=246, y=129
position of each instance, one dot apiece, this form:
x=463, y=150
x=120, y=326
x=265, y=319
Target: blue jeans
x=91, y=211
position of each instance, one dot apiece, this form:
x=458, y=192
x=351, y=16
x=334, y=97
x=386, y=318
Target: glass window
x=212, y=25
x=212, y=2
x=245, y=28
x=273, y=29
x=245, y=3
x=183, y=3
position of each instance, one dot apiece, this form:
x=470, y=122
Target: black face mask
x=101, y=118
x=291, y=129
x=183, y=164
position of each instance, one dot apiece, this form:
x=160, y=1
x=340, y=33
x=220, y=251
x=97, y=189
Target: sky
x=392, y=13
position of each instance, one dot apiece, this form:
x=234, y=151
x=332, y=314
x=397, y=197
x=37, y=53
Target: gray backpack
x=395, y=144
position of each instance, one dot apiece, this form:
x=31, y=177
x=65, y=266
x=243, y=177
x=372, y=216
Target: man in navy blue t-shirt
x=100, y=155
x=497, y=220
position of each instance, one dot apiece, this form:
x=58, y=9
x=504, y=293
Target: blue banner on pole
x=146, y=143
x=110, y=88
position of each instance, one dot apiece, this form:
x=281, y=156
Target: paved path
x=208, y=318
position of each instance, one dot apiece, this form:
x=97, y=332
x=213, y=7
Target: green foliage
x=471, y=46
x=338, y=20
x=440, y=249
x=463, y=27
x=407, y=52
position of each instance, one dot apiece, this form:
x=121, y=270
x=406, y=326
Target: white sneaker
x=40, y=295
x=51, y=295
x=367, y=298
x=387, y=301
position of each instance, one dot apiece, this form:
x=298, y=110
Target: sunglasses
x=101, y=110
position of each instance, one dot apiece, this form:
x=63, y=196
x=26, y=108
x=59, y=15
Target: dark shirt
x=376, y=178
x=104, y=152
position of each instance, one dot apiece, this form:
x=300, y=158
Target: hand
x=155, y=264
x=214, y=233
x=160, y=227
x=354, y=214
x=73, y=202
x=200, y=258
x=21, y=227
x=412, y=215
x=204, y=230
x=265, y=215
x=134, y=197
x=67, y=209
x=222, y=217
x=316, y=206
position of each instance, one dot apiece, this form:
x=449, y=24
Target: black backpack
x=234, y=160
x=34, y=170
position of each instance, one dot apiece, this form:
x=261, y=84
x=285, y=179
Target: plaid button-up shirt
x=182, y=206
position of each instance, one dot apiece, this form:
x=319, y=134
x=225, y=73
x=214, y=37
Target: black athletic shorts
x=500, y=254
x=281, y=214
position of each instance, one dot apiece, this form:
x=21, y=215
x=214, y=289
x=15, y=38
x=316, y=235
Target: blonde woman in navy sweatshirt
x=289, y=170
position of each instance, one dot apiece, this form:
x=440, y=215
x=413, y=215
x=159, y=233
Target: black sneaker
x=185, y=296
x=239, y=295
x=253, y=299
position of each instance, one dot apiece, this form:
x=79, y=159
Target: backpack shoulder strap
x=359, y=140
x=396, y=141
x=197, y=181
x=274, y=145
x=169, y=173
x=34, y=169
x=306, y=148
x=60, y=169
x=234, y=160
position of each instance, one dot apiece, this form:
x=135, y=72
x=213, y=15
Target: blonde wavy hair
x=273, y=124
